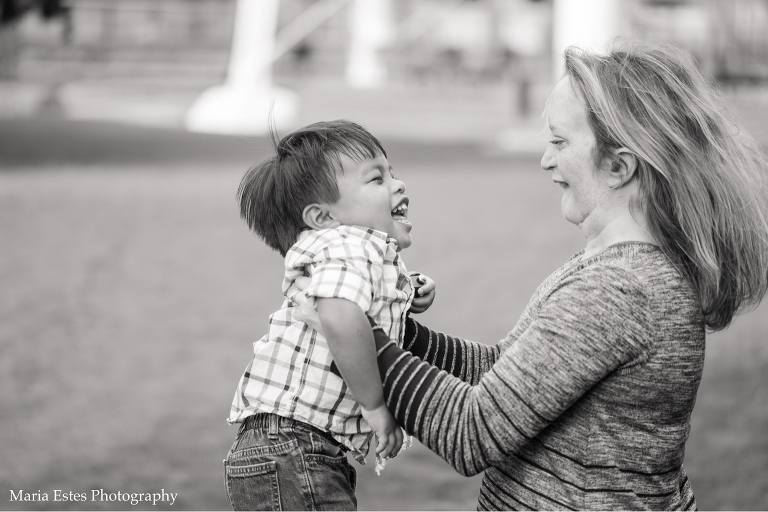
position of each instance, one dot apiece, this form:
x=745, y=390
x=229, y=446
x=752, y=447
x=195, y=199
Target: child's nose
x=399, y=186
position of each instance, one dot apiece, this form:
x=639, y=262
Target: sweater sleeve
x=595, y=322
x=464, y=359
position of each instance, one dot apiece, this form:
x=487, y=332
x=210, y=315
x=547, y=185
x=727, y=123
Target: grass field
x=130, y=294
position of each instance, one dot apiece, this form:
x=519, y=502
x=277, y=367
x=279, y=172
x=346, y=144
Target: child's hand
x=425, y=292
x=304, y=311
x=388, y=433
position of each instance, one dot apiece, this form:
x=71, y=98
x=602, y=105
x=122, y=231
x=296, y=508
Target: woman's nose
x=548, y=159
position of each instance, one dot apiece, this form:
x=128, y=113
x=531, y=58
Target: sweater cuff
x=379, y=336
x=411, y=332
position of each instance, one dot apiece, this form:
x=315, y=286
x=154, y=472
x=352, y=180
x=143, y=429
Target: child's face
x=371, y=197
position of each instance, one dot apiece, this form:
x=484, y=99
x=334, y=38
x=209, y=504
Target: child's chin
x=403, y=243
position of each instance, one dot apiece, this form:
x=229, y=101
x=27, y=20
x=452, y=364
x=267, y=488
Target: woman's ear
x=623, y=167
x=318, y=216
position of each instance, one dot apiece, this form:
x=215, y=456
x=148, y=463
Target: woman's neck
x=624, y=227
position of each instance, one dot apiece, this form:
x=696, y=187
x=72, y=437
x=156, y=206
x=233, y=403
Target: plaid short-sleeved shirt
x=289, y=374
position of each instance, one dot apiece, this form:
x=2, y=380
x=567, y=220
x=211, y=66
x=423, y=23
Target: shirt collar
x=377, y=237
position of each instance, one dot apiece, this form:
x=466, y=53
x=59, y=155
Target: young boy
x=330, y=204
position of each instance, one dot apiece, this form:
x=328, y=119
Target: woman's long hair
x=703, y=185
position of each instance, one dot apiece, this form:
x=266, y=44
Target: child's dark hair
x=273, y=193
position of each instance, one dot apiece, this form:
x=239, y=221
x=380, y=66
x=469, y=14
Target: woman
x=586, y=403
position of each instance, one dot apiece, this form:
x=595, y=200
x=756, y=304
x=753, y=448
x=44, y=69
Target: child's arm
x=352, y=346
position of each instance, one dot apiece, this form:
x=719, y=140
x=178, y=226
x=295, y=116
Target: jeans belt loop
x=274, y=420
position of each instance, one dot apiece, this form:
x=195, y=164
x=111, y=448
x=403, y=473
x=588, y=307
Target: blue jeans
x=278, y=463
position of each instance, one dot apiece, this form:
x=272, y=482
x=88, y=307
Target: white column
x=242, y=104
x=590, y=24
x=371, y=30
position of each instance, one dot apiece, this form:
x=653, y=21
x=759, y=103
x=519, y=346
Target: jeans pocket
x=252, y=486
x=331, y=477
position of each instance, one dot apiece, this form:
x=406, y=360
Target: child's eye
x=377, y=178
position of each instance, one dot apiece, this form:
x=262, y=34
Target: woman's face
x=569, y=157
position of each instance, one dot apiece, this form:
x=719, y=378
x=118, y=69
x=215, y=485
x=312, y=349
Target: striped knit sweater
x=586, y=403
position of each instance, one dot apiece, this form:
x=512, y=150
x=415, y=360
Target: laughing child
x=329, y=202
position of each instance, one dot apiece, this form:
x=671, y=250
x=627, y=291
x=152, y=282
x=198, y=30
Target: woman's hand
x=305, y=311
x=425, y=292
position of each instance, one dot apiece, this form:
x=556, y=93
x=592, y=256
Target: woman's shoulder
x=593, y=278
x=631, y=262
x=592, y=286
x=639, y=262
x=641, y=267
x=637, y=270
x=617, y=279
x=634, y=258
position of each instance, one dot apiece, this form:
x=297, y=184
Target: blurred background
x=130, y=291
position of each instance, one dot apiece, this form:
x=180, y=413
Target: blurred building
x=127, y=38
x=729, y=38
x=184, y=45
x=433, y=39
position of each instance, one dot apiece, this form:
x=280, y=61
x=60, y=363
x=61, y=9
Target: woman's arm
x=590, y=326
x=466, y=360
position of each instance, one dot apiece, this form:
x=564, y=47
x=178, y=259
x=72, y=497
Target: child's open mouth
x=400, y=212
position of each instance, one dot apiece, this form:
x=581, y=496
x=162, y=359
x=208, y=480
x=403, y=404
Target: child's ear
x=318, y=216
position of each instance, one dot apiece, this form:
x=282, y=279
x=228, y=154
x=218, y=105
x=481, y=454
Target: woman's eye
x=556, y=142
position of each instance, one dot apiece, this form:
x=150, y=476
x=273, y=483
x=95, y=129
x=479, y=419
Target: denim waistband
x=261, y=421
